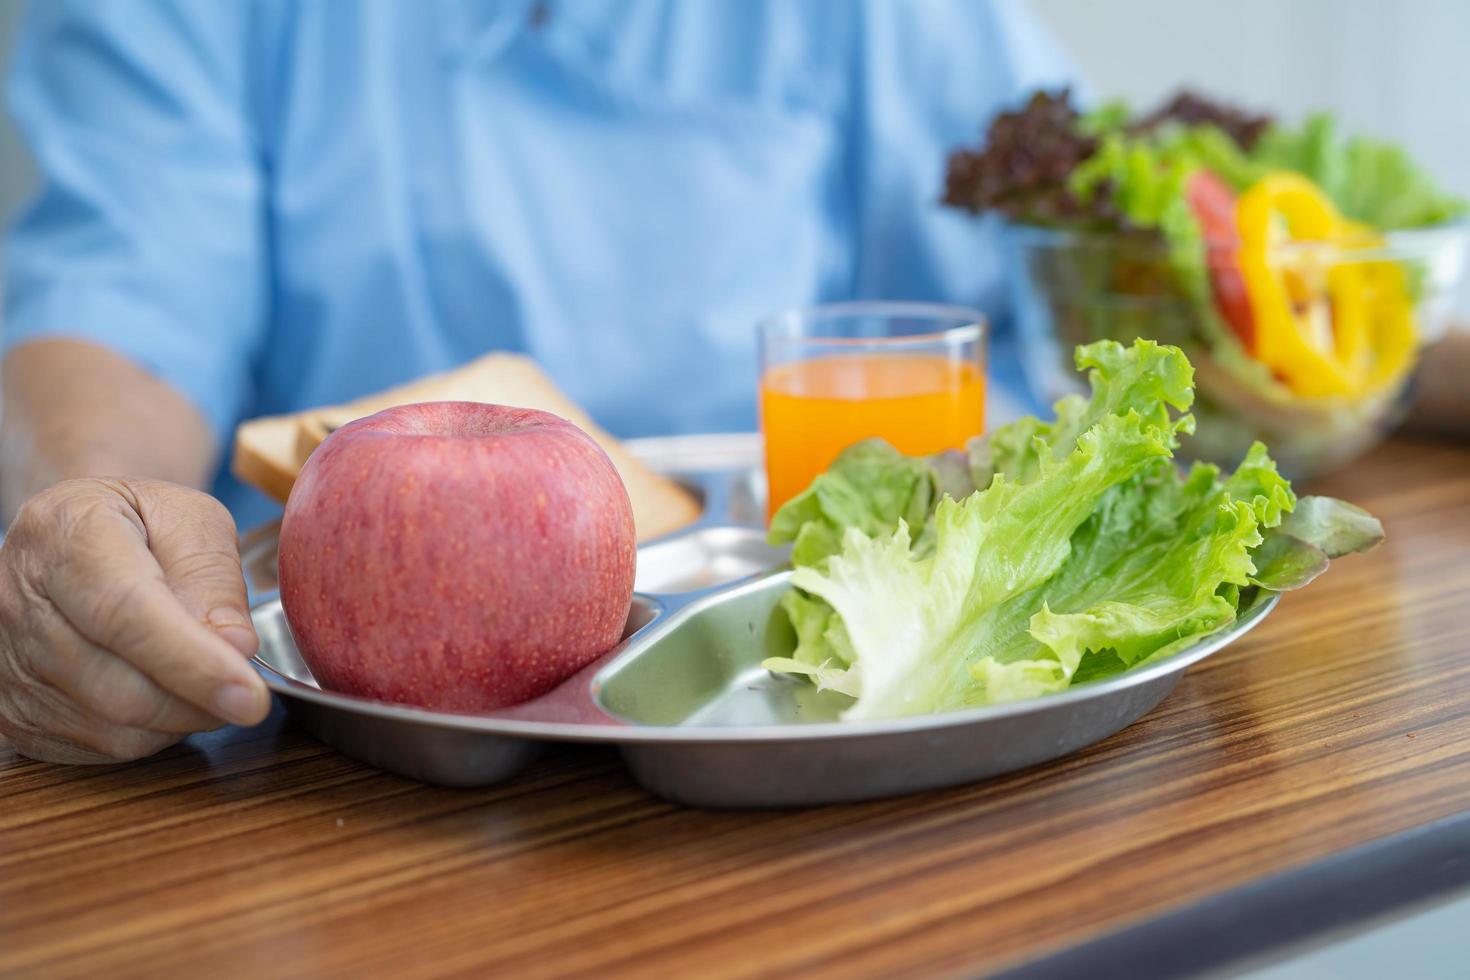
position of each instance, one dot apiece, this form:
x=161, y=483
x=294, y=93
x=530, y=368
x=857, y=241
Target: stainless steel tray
x=684, y=697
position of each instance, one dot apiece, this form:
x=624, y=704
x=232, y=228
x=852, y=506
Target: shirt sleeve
x=932, y=74
x=147, y=234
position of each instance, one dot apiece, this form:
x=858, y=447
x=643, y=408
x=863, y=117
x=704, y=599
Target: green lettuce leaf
x=1335, y=526
x=1147, y=378
x=871, y=486
x=1369, y=180
x=913, y=622
x=1142, y=577
x=1284, y=563
x=1086, y=553
x=823, y=651
x=1046, y=485
x=1148, y=178
x=1316, y=531
x=874, y=488
x=952, y=475
x=1162, y=564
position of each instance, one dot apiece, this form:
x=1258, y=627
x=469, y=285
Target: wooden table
x=1343, y=721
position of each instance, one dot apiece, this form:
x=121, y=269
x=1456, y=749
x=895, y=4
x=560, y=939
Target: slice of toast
x=270, y=451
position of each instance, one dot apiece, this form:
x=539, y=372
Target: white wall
x=1396, y=69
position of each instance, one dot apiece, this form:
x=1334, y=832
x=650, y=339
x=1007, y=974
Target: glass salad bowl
x=1308, y=346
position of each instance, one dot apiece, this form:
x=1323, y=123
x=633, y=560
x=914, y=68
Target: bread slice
x=270, y=451
x=265, y=455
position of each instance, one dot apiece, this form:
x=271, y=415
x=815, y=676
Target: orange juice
x=811, y=410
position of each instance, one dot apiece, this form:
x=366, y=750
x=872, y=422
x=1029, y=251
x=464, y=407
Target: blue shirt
x=274, y=204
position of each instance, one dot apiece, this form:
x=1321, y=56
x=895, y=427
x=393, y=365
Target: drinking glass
x=830, y=376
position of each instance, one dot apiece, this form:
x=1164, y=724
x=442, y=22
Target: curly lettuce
x=1084, y=552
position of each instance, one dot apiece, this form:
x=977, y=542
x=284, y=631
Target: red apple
x=456, y=555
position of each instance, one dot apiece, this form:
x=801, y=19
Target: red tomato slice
x=1213, y=204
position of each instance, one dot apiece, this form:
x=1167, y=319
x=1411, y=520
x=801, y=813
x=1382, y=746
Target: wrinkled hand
x=123, y=622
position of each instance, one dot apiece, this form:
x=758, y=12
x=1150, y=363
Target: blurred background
x=1396, y=71
x=1393, y=70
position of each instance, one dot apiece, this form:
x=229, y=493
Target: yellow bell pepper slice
x=1392, y=335
x=1325, y=324
x=1312, y=337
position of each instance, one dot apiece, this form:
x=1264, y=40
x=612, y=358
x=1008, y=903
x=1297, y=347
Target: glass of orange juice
x=830, y=376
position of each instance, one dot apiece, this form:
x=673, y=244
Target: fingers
x=111, y=590
x=95, y=745
x=106, y=591
x=61, y=731
x=49, y=748
x=112, y=690
x=194, y=541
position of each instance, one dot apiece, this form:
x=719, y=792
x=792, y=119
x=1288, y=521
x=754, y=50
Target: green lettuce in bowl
x=1301, y=272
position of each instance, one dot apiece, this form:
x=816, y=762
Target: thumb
x=193, y=538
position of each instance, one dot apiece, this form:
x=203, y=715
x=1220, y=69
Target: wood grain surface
x=1344, y=718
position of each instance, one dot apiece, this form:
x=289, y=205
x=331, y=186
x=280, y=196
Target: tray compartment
x=702, y=668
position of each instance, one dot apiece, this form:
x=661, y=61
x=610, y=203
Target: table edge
x=1271, y=914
